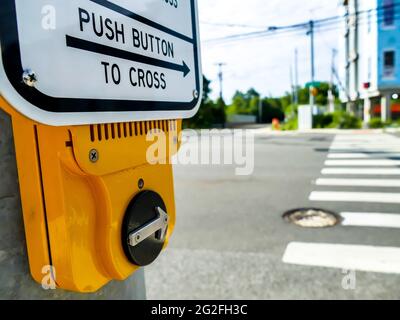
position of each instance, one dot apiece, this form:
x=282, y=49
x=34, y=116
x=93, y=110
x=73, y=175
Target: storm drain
x=312, y=218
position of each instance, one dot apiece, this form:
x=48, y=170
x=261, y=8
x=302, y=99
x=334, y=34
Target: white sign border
x=23, y=106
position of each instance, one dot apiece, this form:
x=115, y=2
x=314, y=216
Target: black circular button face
x=141, y=211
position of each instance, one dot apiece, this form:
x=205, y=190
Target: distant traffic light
x=314, y=92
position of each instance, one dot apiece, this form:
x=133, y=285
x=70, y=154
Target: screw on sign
x=29, y=78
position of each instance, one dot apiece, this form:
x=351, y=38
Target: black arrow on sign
x=90, y=46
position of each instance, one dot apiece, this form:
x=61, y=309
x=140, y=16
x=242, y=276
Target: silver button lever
x=157, y=226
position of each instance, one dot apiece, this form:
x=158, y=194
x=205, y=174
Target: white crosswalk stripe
x=344, y=256
x=370, y=219
x=357, y=162
x=363, y=163
x=386, y=155
x=362, y=171
x=363, y=146
x=391, y=183
x=375, y=197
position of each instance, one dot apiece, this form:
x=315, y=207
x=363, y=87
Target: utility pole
x=260, y=113
x=221, y=78
x=296, y=77
x=331, y=96
x=291, y=82
x=311, y=34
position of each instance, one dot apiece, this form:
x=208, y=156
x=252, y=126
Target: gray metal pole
x=312, y=51
x=15, y=279
x=312, y=99
x=292, y=83
x=221, y=79
x=385, y=107
x=296, y=77
x=331, y=97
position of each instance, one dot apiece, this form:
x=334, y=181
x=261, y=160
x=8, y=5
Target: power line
x=361, y=22
x=232, y=25
x=221, y=78
x=320, y=24
x=242, y=25
x=293, y=31
x=320, y=28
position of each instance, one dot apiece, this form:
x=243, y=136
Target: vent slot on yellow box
x=124, y=130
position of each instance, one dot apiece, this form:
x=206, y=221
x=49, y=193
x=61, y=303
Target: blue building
x=389, y=45
x=371, y=56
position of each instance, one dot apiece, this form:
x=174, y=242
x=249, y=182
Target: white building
x=371, y=56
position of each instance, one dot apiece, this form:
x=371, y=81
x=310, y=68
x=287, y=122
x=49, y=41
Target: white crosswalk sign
x=70, y=62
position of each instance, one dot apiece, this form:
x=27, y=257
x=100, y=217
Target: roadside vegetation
x=266, y=110
x=376, y=123
x=336, y=120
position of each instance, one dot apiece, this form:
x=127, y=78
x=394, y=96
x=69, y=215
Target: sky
x=264, y=63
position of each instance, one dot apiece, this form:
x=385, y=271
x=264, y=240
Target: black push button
x=144, y=228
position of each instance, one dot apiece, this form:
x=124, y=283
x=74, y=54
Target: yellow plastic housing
x=73, y=208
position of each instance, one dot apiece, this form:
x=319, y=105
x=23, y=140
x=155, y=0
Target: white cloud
x=263, y=63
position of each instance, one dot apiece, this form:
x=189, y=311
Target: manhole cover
x=312, y=218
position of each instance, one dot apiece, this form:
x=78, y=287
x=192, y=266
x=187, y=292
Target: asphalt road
x=230, y=237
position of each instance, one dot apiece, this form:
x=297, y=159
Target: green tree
x=322, y=96
x=254, y=105
x=248, y=103
x=206, y=90
x=250, y=94
x=272, y=109
x=219, y=112
x=239, y=104
x=245, y=103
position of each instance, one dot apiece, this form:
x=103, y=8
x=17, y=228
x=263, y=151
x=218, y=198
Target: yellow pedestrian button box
x=86, y=83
